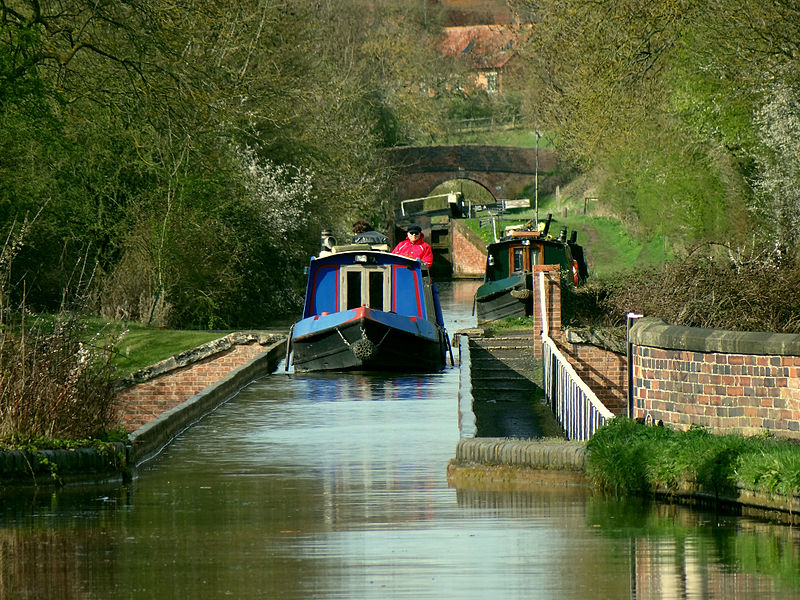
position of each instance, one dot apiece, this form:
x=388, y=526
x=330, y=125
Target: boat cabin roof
x=344, y=280
x=520, y=254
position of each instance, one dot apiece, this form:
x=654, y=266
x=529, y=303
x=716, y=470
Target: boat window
x=365, y=286
x=376, y=282
x=535, y=255
x=518, y=259
x=353, y=289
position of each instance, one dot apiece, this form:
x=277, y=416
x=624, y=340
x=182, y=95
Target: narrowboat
x=507, y=290
x=368, y=309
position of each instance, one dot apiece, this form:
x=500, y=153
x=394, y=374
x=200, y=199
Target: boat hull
x=367, y=340
x=507, y=298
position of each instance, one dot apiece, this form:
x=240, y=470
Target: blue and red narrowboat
x=368, y=309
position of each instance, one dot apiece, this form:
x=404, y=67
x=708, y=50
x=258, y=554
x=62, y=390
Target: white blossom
x=282, y=193
x=778, y=181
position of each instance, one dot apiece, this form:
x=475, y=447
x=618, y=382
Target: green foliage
x=483, y=105
x=619, y=455
x=627, y=456
x=776, y=469
x=124, y=124
x=665, y=187
x=685, y=111
x=104, y=441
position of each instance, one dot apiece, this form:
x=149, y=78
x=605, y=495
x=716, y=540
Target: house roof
x=487, y=46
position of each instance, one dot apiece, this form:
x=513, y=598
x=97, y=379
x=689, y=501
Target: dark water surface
x=335, y=487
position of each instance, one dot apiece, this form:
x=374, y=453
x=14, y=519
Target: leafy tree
x=681, y=103
x=171, y=145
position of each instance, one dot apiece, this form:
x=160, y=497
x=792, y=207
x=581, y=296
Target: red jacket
x=418, y=249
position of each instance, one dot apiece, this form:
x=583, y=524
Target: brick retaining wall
x=726, y=381
x=142, y=403
x=151, y=437
x=604, y=371
x=152, y=391
x=469, y=251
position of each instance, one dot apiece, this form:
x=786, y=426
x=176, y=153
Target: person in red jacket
x=415, y=246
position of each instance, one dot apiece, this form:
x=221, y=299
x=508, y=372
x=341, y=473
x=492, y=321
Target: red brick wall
x=142, y=403
x=503, y=170
x=469, y=251
x=604, y=371
x=552, y=284
x=726, y=393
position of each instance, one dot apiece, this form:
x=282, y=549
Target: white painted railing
x=575, y=405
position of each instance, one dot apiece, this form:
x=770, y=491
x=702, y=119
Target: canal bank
x=235, y=361
x=515, y=443
x=156, y=404
x=502, y=464
x=218, y=376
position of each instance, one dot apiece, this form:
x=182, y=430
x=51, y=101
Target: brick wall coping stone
x=610, y=338
x=654, y=332
x=534, y=454
x=193, y=355
x=528, y=463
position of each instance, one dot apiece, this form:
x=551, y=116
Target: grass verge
x=143, y=346
x=518, y=137
x=626, y=456
x=510, y=324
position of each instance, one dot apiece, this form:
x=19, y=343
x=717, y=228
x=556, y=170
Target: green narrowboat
x=507, y=290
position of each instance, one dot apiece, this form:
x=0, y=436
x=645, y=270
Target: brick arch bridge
x=505, y=171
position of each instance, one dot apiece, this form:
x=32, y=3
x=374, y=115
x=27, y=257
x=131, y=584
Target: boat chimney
x=327, y=241
x=547, y=225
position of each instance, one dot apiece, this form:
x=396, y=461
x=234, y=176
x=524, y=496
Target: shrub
x=742, y=291
x=53, y=383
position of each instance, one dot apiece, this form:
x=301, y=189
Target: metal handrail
x=574, y=404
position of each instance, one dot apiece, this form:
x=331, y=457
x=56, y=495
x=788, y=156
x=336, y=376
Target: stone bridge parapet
x=503, y=170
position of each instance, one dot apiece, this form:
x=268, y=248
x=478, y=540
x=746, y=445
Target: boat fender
x=363, y=349
x=521, y=294
x=575, y=271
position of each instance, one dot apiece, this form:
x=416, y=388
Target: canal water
x=325, y=487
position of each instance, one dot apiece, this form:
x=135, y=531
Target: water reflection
x=335, y=487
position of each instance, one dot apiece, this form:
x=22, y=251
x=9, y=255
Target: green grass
x=520, y=137
x=142, y=346
x=626, y=456
x=510, y=324
x=609, y=246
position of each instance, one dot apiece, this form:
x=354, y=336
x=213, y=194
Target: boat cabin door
x=365, y=286
x=523, y=257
